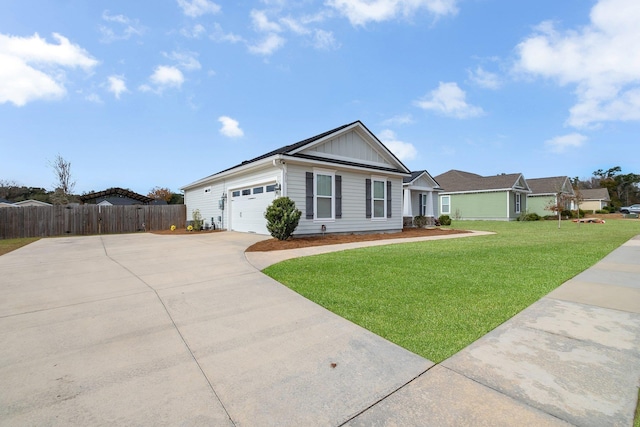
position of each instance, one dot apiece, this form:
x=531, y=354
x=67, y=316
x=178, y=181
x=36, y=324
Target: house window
x=517, y=202
x=246, y=192
x=445, y=207
x=324, y=196
x=423, y=204
x=258, y=190
x=271, y=188
x=379, y=199
x=235, y=193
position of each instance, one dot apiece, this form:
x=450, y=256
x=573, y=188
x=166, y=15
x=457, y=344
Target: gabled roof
x=32, y=202
x=415, y=175
x=114, y=192
x=550, y=185
x=595, y=194
x=455, y=181
x=295, y=150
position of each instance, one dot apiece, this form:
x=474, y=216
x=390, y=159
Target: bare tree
x=64, y=185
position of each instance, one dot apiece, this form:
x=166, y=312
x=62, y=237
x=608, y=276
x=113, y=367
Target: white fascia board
x=334, y=165
x=363, y=132
x=231, y=172
x=419, y=188
x=493, y=190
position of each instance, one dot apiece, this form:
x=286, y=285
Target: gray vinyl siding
x=353, y=203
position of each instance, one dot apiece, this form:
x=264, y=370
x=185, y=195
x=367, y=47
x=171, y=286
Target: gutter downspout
x=280, y=164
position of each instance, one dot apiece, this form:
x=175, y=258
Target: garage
x=247, y=207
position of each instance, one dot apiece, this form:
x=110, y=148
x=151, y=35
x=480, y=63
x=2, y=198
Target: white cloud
x=448, y=99
x=560, y=144
x=403, y=119
x=117, y=86
x=195, y=32
x=230, y=127
x=485, y=79
x=164, y=77
x=33, y=69
x=219, y=35
x=360, y=12
x=128, y=27
x=195, y=8
x=402, y=150
x=262, y=24
x=93, y=97
x=602, y=60
x=268, y=45
x=186, y=60
x=324, y=40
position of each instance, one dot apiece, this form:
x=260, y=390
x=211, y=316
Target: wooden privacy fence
x=44, y=221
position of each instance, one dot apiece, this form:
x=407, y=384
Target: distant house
x=32, y=202
x=4, y=203
x=118, y=196
x=470, y=196
x=545, y=193
x=594, y=199
x=420, y=196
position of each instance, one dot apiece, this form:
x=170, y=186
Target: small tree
x=282, y=218
x=64, y=185
x=197, y=219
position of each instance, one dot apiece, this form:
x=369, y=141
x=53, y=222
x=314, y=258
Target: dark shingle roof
x=550, y=185
x=455, y=180
x=114, y=192
x=291, y=150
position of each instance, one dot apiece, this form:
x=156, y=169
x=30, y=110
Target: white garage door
x=247, y=208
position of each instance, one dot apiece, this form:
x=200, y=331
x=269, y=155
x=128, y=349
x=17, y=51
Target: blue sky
x=140, y=94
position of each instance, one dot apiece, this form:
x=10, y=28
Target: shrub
x=529, y=217
x=444, y=220
x=197, y=219
x=420, y=221
x=282, y=218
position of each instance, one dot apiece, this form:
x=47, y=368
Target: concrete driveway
x=144, y=329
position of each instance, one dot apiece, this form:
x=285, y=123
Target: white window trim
x=518, y=201
x=383, y=179
x=423, y=202
x=332, y=174
x=442, y=211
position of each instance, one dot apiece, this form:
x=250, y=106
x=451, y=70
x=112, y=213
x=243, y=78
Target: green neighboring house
x=545, y=193
x=469, y=196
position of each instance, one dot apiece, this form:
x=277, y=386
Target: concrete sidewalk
x=181, y=330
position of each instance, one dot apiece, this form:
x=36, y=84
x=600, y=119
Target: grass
x=8, y=245
x=435, y=298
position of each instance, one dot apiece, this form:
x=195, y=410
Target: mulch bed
x=333, y=239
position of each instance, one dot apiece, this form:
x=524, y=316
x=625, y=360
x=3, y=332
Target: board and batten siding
x=354, y=218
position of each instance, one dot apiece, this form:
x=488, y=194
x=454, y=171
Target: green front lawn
x=436, y=297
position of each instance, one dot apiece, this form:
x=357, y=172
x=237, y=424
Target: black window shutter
x=338, y=196
x=388, y=199
x=309, y=194
x=367, y=192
